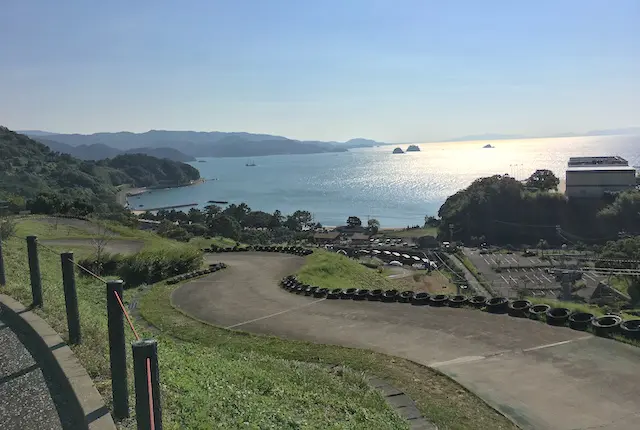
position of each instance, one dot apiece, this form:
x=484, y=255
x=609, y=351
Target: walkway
x=542, y=377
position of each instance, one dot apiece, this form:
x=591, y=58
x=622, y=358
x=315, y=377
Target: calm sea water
x=397, y=189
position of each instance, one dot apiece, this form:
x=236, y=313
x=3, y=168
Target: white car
x=395, y=263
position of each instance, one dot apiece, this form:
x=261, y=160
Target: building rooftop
x=601, y=168
x=597, y=161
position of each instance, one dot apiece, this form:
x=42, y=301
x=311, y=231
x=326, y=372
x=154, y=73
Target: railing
x=145, y=351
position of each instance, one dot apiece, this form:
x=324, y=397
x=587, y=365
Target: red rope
x=151, y=417
x=124, y=311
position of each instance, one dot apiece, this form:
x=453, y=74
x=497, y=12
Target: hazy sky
x=389, y=70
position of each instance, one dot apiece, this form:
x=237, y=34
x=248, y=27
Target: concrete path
x=25, y=400
x=542, y=377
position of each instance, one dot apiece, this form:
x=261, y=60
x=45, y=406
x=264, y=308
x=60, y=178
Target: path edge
x=60, y=358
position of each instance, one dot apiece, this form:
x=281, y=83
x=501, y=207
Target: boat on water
x=250, y=164
x=202, y=161
x=488, y=145
x=413, y=148
x=398, y=151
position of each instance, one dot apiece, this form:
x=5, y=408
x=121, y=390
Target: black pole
x=71, y=297
x=3, y=279
x=34, y=270
x=143, y=351
x=117, y=353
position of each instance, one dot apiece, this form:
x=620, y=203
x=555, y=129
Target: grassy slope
x=438, y=397
x=204, y=385
x=415, y=232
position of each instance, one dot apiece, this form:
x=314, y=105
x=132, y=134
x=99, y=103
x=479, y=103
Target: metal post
x=71, y=297
x=3, y=279
x=145, y=366
x=117, y=352
x=34, y=270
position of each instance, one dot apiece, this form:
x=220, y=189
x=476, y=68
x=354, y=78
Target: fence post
x=117, y=353
x=3, y=279
x=147, y=384
x=70, y=297
x=34, y=270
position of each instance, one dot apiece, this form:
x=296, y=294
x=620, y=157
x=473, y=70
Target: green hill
x=33, y=176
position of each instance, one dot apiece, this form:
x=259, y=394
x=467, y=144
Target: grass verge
x=438, y=397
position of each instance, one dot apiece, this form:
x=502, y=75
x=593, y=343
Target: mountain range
x=186, y=145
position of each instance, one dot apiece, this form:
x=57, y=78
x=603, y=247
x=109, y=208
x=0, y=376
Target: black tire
x=631, y=329
x=478, y=301
x=420, y=299
x=405, y=296
x=348, y=293
x=334, y=294
x=519, y=308
x=300, y=288
x=321, y=292
x=361, y=295
x=375, y=295
x=390, y=296
x=498, y=305
x=438, y=300
x=558, y=316
x=607, y=325
x=457, y=301
x=580, y=320
x=310, y=290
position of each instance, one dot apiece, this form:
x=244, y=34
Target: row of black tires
x=605, y=326
x=295, y=250
x=196, y=273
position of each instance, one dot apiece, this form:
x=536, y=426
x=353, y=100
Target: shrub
x=7, y=228
x=149, y=267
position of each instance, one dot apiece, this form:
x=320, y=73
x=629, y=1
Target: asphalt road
x=542, y=377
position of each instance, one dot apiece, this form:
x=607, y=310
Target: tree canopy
x=543, y=180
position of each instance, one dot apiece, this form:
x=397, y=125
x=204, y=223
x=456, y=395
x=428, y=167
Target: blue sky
x=388, y=70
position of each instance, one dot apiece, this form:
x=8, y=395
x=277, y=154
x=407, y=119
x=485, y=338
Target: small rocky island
x=398, y=150
x=488, y=145
x=413, y=148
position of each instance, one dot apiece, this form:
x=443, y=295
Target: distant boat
x=488, y=145
x=398, y=151
x=413, y=148
x=202, y=161
x=250, y=164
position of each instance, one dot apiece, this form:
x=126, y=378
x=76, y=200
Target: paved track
x=542, y=377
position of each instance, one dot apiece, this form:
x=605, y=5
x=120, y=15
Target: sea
x=398, y=190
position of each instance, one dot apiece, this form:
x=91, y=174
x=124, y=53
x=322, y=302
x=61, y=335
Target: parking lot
x=534, y=274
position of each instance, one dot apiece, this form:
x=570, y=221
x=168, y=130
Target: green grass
x=34, y=226
x=331, y=270
x=223, y=242
x=438, y=397
x=206, y=385
x=415, y=232
x=620, y=283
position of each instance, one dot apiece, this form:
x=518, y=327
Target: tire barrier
x=538, y=312
x=580, y=320
x=439, y=300
x=478, y=301
x=405, y=296
x=498, y=305
x=558, y=316
x=375, y=295
x=420, y=299
x=390, y=296
x=196, y=273
x=606, y=326
x=295, y=250
x=519, y=308
x=630, y=329
x=457, y=301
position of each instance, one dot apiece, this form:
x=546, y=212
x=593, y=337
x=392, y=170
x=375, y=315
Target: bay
x=396, y=189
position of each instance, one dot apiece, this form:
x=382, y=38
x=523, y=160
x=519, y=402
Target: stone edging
x=61, y=361
x=401, y=403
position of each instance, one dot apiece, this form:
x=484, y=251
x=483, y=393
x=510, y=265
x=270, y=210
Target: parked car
x=395, y=263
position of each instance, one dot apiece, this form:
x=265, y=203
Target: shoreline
x=123, y=195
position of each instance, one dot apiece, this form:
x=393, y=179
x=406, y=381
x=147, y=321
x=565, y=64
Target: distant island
x=488, y=145
x=398, y=150
x=413, y=148
x=186, y=146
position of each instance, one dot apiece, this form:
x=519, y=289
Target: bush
x=7, y=228
x=149, y=267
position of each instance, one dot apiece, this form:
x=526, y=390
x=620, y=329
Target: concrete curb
x=57, y=357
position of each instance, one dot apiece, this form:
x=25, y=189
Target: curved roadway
x=540, y=376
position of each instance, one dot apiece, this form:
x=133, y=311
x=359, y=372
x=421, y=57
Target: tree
x=299, y=220
x=196, y=216
x=225, y=226
x=258, y=219
x=373, y=225
x=431, y=221
x=276, y=220
x=543, y=180
x=542, y=245
x=354, y=221
x=624, y=213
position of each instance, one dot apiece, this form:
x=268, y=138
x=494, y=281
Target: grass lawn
x=438, y=397
x=414, y=232
x=620, y=283
x=35, y=226
x=206, y=385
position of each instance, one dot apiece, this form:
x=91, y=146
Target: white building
x=593, y=176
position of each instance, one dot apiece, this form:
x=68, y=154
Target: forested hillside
x=34, y=177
